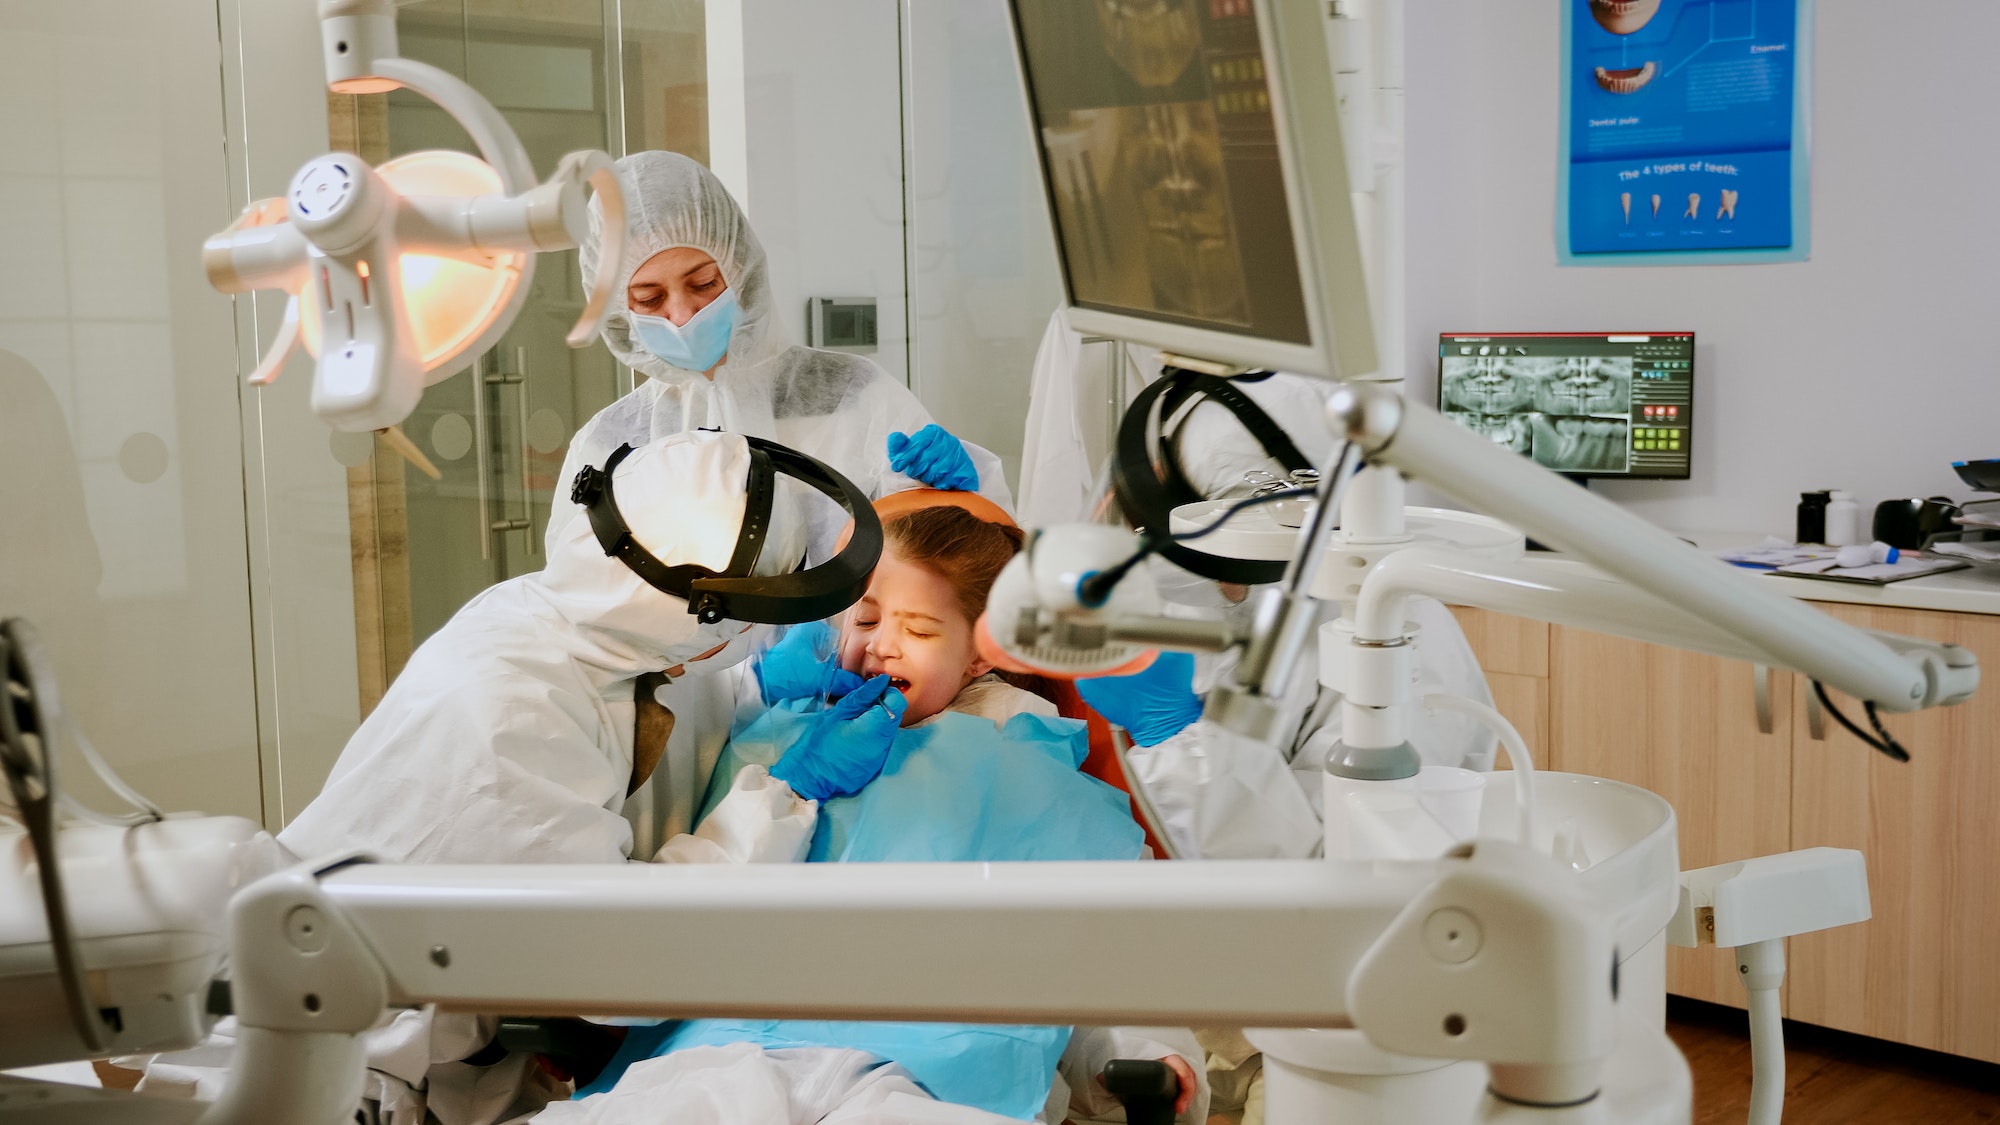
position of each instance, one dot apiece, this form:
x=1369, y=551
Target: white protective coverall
x=508, y=738
x=838, y=407
x=1219, y=796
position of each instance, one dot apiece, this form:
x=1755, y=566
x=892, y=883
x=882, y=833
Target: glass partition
x=226, y=585
x=430, y=536
x=121, y=477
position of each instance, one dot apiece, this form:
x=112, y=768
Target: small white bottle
x=1843, y=520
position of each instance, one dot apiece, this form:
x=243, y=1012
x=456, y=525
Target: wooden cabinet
x=1685, y=726
x=1514, y=652
x=1925, y=969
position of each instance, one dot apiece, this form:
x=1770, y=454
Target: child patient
x=979, y=770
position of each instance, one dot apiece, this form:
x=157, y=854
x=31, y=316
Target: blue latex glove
x=1152, y=705
x=846, y=745
x=934, y=457
x=804, y=665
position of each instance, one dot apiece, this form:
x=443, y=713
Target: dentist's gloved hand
x=805, y=664
x=847, y=744
x=1152, y=704
x=934, y=457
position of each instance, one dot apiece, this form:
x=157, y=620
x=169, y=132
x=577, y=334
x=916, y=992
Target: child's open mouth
x=899, y=683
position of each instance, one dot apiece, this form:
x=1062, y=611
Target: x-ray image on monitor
x=1161, y=160
x=1608, y=405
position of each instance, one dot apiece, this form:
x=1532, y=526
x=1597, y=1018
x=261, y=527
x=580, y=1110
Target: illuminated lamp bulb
x=451, y=301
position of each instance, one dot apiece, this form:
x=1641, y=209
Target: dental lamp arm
x=1569, y=592
x=1423, y=444
x=358, y=39
x=342, y=235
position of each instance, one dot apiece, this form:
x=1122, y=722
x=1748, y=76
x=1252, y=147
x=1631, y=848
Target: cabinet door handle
x=1760, y=678
x=1815, y=715
x=480, y=465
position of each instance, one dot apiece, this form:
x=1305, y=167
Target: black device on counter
x=1908, y=525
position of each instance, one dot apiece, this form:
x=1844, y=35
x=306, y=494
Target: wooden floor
x=1831, y=1078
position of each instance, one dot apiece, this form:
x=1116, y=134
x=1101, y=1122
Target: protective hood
x=683, y=498
x=672, y=201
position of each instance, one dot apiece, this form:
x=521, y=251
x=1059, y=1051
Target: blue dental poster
x=1684, y=131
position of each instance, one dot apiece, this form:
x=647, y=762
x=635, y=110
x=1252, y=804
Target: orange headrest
x=903, y=503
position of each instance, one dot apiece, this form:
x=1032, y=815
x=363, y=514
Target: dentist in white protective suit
x=694, y=313
x=509, y=738
x=1218, y=795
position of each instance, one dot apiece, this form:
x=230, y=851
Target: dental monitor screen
x=1614, y=405
x=1160, y=157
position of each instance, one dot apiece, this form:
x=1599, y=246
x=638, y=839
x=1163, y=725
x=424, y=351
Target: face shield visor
x=737, y=592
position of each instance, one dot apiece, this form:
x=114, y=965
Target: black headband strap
x=1149, y=494
x=1223, y=392
x=737, y=593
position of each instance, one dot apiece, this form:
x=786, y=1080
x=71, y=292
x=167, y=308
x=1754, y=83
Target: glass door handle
x=482, y=379
x=481, y=465
x=527, y=477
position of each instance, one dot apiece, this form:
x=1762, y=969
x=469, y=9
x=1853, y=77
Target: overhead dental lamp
x=399, y=276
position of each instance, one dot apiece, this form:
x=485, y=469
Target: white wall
x=815, y=92
x=1868, y=367
x=984, y=268
x=822, y=163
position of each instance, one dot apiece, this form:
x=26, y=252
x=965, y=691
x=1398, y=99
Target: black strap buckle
x=589, y=485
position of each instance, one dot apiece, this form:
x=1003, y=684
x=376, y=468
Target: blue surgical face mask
x=697, y=345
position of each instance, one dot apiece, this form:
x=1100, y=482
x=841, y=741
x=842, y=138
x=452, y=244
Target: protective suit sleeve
x=1220, y=796
x=1092, y=1047
x=561, y=511
x=536, y=785
x=760, y=820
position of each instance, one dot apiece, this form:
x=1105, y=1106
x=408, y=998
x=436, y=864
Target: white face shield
x=689, y=538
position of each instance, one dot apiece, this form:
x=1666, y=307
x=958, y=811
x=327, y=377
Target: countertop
x=1976, y=590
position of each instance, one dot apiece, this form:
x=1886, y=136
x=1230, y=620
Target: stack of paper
x=1983, y=514
x=1775, y=552
x=1980, y=551
x=1911, y=565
